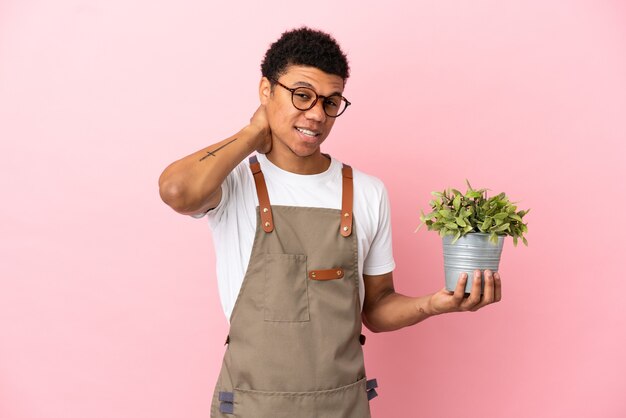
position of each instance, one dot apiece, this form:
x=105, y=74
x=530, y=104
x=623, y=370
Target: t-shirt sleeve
x=215, y=215
x=216, y=211
x=379, y=259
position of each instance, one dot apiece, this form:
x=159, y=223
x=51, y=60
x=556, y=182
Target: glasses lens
x=303, y=98
x=334, y=105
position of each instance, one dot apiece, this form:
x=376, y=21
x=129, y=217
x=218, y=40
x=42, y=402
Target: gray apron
x=294, y=344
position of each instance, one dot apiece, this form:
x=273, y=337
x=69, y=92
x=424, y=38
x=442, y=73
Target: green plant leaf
x=445, y=213
x=460, y=221
x=430, y=215
x=502, y=228
x=457, y=202
x=524, y=241
x=452, y=225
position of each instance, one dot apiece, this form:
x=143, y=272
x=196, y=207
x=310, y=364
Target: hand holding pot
x=446, y=301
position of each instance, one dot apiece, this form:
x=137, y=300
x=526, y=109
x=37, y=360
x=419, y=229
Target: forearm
x=188, y=184
x=394, y=311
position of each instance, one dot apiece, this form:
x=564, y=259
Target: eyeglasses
x=304, y=98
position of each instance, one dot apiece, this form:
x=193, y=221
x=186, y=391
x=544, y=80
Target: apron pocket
x=285, y=292
x=348, y=401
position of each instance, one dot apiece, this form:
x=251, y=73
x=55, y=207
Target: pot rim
x=481, y=233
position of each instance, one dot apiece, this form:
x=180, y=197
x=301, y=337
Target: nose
x=316, y=113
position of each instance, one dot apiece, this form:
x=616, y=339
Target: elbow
x=369, y=324
x=173, y=193
x=181, y=196
x=376, y=330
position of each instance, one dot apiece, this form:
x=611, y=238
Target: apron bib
x=294, y=344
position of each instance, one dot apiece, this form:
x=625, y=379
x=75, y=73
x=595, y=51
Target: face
x=297, y=132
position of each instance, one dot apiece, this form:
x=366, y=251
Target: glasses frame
x=317, y=97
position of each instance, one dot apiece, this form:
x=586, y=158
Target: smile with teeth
x=307, y=132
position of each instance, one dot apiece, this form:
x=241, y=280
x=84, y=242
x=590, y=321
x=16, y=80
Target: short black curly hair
x=305, y=46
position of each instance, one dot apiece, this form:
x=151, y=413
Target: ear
x=265, y=90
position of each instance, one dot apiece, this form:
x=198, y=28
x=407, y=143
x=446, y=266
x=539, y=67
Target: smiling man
x=303, y=246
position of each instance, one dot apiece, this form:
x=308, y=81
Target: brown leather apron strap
x=265, y=207
x=346, y=201
x=267, y=222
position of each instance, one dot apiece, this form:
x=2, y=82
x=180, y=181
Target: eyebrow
x=309, y=85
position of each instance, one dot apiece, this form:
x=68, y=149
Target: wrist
x=256, y=134
x=423, y=305
x=429, y=308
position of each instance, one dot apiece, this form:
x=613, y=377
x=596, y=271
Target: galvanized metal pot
x=472, y=251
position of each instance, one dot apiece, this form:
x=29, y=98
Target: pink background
x=108, y=299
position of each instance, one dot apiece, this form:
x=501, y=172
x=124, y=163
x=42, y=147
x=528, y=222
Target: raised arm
x=192, y=184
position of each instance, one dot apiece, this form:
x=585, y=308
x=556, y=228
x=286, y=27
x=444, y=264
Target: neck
x=312, y=164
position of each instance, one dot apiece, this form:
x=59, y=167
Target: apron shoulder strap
x=346, y=201
x=265, y=209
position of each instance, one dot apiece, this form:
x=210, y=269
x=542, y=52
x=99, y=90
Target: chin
x=304, y=151
x=297, y=147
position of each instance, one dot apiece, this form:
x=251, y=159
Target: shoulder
x=368, y=185
x=370, y=193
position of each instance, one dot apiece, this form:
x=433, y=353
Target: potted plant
x=473, y=228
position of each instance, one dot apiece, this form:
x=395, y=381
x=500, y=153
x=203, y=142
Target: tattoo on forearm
x=217, y=149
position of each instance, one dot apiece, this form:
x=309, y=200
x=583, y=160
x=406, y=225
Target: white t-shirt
x=233, y=221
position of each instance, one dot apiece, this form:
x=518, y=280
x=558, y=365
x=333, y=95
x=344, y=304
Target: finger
x=497, y=284
x=459, y=291
x=474, y=297
x=488, y=291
